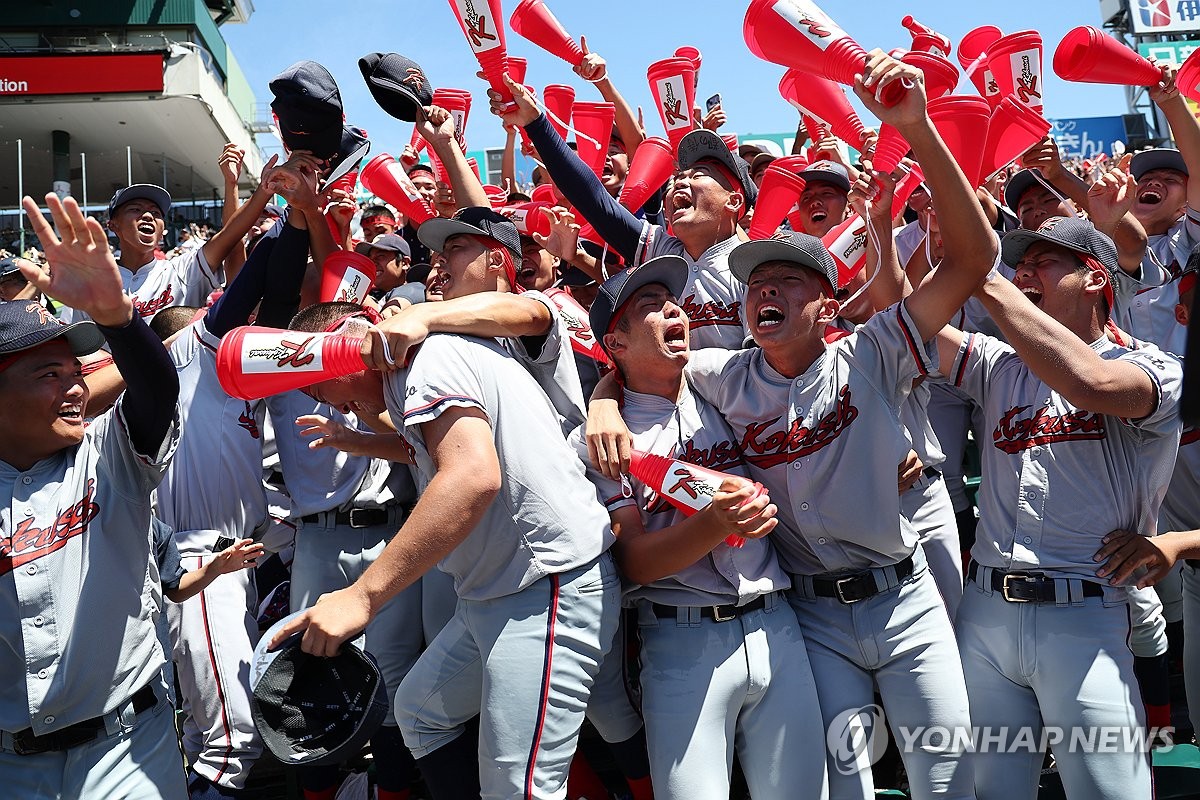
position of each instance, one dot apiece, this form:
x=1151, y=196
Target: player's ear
x=613, y=343
x=829, y=311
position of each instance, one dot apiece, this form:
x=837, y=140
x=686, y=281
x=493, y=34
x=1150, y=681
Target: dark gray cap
x=798, y=248
x=25, y=324
x=474, y=220
x=705, y=145
x=397, y=83
x=141, y=191
x=1158, y=158
x=670, y=271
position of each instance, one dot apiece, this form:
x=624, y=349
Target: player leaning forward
x=83, y=712
x=512, y=517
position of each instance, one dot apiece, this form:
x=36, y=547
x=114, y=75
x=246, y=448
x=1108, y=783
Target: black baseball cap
x=829, y=172
x=397, y=83
x=388, y=241
x=705, y=145
x=141, y=191
x=476, y=221
x=309, y=107
x=670, y=271
x=1158, y=158
x=25, y=324
x=798, y=248
x=1018, y=184
x=353, y=148
x=8, y=267
x=1075, y=234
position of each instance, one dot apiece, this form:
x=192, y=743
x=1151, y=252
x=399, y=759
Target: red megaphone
x=847, y=243
x=652, y=164
x=384, y=177
x=673, y=84
x=940, y=79
x=529, y=218
x=688, y=487
x=912, y=179
x=972, y=57
x=1013, y=129
x=1086, y=55
x=779, y=191
x=543, y=194
x=825, y=101
x=346, y=277
x=485, y=35
x=815, y=129
x=254, y=362
x=798, y=34
x=458, y=103
x=532, y=20
x=497, y=197
x=1016, y=63
x=796, y=164
x=962, y=122
x=517, y=67
x=692, y=54
x=1188, y=77
x=925, y=39
x=731, y=141
x=559, y=100
x=593, y=131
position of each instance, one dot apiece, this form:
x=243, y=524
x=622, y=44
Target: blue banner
x=1087, y=137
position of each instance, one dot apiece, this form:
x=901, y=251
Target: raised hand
x=563, y=241
x=593, y=69
x=524, y=110
x=1112, y=195
x=883, y=70
x=230, y=163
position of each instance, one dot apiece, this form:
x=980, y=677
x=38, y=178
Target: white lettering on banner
x=13, y=86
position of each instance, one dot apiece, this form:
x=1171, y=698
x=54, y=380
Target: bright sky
x=630, y=34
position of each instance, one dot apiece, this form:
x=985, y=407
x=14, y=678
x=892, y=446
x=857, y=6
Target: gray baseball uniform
x=184, y=280
x=1145, y=306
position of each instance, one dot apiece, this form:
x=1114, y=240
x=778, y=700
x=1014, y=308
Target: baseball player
x=823, y=202
x=1042, y=642
x=83, y=712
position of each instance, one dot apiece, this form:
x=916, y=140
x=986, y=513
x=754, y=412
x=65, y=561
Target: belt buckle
x=841, y=595
x=718, y=617
x=1004, y=587
x=355, y=511
x=19, y=740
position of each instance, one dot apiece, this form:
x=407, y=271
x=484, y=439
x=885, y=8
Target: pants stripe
x=544, y=699
x=212, y=658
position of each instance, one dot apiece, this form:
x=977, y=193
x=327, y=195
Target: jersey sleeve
x=978, y=357
x=197, y=279
x=1166, y=373
x=444, y=374
x=133, y=474
x=170, y=563
x=611, y=494
x=890, y=350
x=552, y=343
x=705, y=372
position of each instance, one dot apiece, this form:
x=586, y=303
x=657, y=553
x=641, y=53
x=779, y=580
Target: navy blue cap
x=1158, y=158
x=670, y=271
x=475, y=220
x=702, y=145
x=141, y=191
x=397, y=83
x=309, y=107
x=25, y=324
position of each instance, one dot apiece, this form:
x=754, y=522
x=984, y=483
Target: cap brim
x=748, y=256
x=84, y=338
x=1162, y=158
x=1017, y=185
x=147, y=191
x=349, y=163
x=434, y=233
x=1015, y=243
x=825, y=176
x=670, y=271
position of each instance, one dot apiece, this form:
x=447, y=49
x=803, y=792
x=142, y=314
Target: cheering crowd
x=688, y=469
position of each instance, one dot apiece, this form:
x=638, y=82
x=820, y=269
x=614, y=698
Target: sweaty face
x=783, y=301
x=654, y=328
x=138, y=224
x=462, y=267
x=361, y=393
x=1051, y=278
x=537, y=269
x=1161, y=197
x=1038, y=203
x=822, y=207
x=42, y=403
x=698, y=196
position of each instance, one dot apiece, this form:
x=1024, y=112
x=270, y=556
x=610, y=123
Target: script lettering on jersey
x=246, y=420
x=1027, y=82
x=29, y=543
x=768, y=448
x=148, y=308
x=1014, y=434
x=710, y=312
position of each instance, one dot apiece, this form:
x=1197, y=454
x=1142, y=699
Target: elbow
x=633, y=569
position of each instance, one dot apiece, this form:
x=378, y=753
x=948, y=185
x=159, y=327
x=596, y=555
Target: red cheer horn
x=528, y=217
x=940, y=79
x=673, y=84
x=417, y=141
x=497, y=197
x=384, y=177
x=579, y=328
x=925, y=39
x=972, y=57
x=693, y=55
x=1086, y=55
x=485, y=35
x=731, y=141
x=779, y=191
x=913, y=178
x=346, y=277
x=825, y=101
x=1016, y=63
x=1013, y=129
x=794, y=164
x=474, y=165
x=517, y=67
x=962, y=122
x=593, y=131
x=796, y=33
x=532, y=20
x=1188, y=77
x=458, y=103
x=847, y=243
x=652, y=164
x=559, y=100
x=254, y=362
x=688, y=487
x=815, y=129
x=543, y=193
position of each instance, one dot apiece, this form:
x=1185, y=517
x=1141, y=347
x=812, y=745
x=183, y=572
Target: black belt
x=25, y=743
x=931, y=472
x=860, y=585
x=355, y=517
x=1029, y=587
x=715, y=613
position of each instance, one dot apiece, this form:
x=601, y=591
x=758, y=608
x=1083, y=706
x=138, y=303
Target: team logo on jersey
x=766, y=448
x=720, y=456
x=710, y=312
x=29, y=543
x=148, y=308
x=1015, y=433
x=246, y=420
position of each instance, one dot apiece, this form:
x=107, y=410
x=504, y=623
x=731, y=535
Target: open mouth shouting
x=675, y=337
x=770, y=316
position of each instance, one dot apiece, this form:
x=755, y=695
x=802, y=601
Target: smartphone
x=713, y=102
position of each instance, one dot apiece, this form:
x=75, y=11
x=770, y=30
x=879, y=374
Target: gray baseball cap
x=705, y=145
x=670, y=271
x=475, y=220
x=1158, y=158
x=141, y=191
x=798, y=248
x=829, y=172
x=1075, y=234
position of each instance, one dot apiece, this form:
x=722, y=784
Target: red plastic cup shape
x=485, y=35
x=346, y=277
x=962, y=122
x=529, y=218
x=906, y=186
x=543, y=194
x=1188, y=77
x=779, y=191
x=693, y=55
x=796, y=164
x=1013, y=129
x=593, y=130
x=673, y=85
x=458, y=103
x=925, y=39
x=651, y=167
x=532, y=20
x=496, y=196
x=1016, y=63
x=1087, y=55
x=731, y=141
x=255, y=362
x=889, y=149
x=941, y=76
x=384, y=177
x=559, y=100
x=825, y=101
x=796, y=33
x=688, y=487
x=847, y=243
x=346, y=183
x=517, y=67
x=417, y=141
x=972, y=57
x=815, y=129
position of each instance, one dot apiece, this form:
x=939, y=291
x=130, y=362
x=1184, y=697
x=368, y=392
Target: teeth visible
x=770, y=316
x=819, y=216
x=1150, y=197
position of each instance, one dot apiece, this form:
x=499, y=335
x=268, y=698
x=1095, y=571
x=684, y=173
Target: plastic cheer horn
x=458, y=103
x=652, y=164
x=517, y=68
x=593, y=130
x=1013, y=129
x=254, y=362
x=940, y=79
x=495, y=195
x=972, y=57
x=532, y=20
x=1016, y=63
x=384, y=177
x=673, y=84
x=579, y=329
x=1188, y=77
x=481, y=23
x=962, y=122
x=528, y=217
x=688, y=487
x=824, y=100
x=693, y=55
x=346, y=277
x=779, y=191
x=925, y=39
x=1086, y=55
x=559, y=100
x=796, y=33
x=847, y=243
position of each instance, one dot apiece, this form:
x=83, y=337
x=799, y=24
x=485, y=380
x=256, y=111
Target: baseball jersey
x=553, y=366
x=1145, y=306
x=693, y=431
x=545, y=519
x=184, y=280
x=214, y=485
x=713, y=297
x=1058, y=478
x=77, y=634
x=1181, y=507
x=908, y=239
x=826, y=443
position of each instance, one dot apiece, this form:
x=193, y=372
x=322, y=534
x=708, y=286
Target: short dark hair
x=378, y=211
x=318, y=317
x=170, y=321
